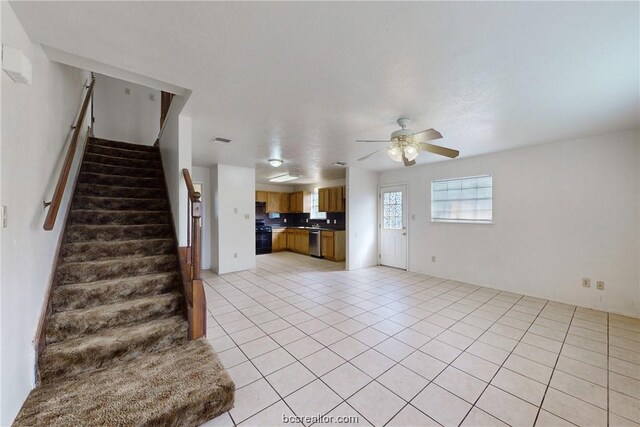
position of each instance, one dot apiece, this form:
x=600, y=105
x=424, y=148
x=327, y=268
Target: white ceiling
x=302, y=81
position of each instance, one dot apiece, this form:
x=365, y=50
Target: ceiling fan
x=405, y=145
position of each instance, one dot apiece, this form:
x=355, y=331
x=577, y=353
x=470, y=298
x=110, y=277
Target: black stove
x=263, y=238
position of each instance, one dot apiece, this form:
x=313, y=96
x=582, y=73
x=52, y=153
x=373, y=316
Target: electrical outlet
x=335, y=221
x=152, y=97
x=127, y=91
x=235, y=254
x=247, y=216
x=600, y=285
x=433, y=258
x=586, y=282
x=307, y=219
x=285, y=220
x=328, y=221
x=235, y=210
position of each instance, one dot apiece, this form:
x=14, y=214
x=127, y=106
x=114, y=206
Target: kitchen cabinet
x=300, y=202
x=278, y=240
x=284, y=203
x=336, y=199
x=331, y=199
x=302, y=242
x=291, y=239
x=323, y=199
x=333, y=245
x=261, y=196
x=273, y=202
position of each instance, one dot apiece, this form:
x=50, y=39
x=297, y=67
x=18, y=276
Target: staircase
x=116, y=343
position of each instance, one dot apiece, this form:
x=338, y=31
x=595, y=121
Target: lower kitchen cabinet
x=302, y=242
x=333, y=245
x=291, y=239
x=278, y=240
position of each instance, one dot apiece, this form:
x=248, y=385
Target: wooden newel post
x=196, y=243
x=199, y=309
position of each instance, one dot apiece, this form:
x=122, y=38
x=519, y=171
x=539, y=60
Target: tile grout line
x=554, y=369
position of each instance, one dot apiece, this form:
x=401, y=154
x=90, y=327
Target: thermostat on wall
x=17, y=66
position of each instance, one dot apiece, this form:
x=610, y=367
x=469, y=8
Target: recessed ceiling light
x=221, y=139
x=284, y=178
x=275, y=162
x=339, y=163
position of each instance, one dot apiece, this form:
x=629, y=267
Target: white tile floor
x=300, y=336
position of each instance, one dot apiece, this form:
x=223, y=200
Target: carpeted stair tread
x=95, y=190
x=92, y=294
x=106, y=217
x=102, y=350
x=182, y=386
x=86, y=233
x=91, y=271
x=120, y=180
x=121, y=161
x=122, y=145
x=121, y=170
x=121, y=152
x=73, y=324
x=102, y=251
x=120, y=203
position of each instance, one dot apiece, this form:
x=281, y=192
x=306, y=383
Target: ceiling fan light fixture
x=276, y=162
x=411, y=152
x=395, y=152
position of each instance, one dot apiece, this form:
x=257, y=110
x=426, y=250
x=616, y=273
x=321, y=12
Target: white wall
x=362, y=196
x=131, y=118
x=175, y=148
x=35, y=120
x=203, y=176
x=233, y=234
x=562, y=211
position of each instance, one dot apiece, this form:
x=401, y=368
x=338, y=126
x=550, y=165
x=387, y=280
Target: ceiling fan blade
x=369, y=155
x=406, y=161
x=427, y=135
x=436, y=149
x=372, y=140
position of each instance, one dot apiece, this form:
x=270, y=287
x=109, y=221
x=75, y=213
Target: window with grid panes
x=392, y=210
x=467, y=199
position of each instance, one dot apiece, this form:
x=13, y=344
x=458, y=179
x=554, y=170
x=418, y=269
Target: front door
x=393, y=226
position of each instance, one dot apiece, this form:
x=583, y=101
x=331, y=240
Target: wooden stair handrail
x=196, y=300
x=54, y=205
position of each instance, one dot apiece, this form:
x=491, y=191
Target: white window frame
x=461, y=220
x=315, y=214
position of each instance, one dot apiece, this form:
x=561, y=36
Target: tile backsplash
x=299, y=219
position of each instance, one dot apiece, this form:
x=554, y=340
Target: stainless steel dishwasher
x=315, y=243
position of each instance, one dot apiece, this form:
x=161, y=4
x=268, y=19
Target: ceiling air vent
x=342, y=164
x=220, y=139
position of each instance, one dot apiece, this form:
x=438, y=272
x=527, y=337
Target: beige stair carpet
x=116, y=344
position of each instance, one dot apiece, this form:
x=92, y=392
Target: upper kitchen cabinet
x=300, y=202
x=285, y=203
x=331, y=199
x=261, y=196
x=274, y=202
